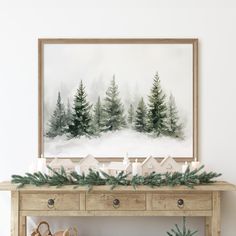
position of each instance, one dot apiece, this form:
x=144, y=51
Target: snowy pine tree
x=57, y=123
x=141, y=117
x=81, y=121
x=157, y=108
x=174, y=126
x=69, y=115
x=131, y=115
x=114, y=118
x=98, y=116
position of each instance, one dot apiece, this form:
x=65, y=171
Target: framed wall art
x=109, y=97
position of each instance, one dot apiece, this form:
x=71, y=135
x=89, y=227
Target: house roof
x=167, y=158
x=86, y=158
x=146, y=160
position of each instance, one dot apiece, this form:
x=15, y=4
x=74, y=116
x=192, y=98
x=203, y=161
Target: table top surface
x=217, y=186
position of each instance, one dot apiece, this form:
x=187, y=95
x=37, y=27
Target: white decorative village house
x=149, y=165
x=88, y=162
x=114, y=168
x=170, y=165
x=67, y=164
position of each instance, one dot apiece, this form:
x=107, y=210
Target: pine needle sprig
x=183, y=232
x=114, y=181
x=96, y=178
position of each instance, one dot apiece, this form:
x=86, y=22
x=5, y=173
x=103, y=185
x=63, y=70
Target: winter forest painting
x=111, y=99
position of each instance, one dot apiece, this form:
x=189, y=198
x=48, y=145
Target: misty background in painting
x=133, y=73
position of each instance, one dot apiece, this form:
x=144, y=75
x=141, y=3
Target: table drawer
x=52, y=201
x=119, y=202
x=175, y=202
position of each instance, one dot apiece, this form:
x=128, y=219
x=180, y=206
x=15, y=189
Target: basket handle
x=71, y=231
x=43, y=223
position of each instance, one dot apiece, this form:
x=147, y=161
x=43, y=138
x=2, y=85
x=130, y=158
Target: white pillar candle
x=195, y=164
x=77, y=169
x=184, y=167
x=135, y=167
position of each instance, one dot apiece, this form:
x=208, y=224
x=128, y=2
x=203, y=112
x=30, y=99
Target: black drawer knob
x=116, y=203
x=51, y=203
x=180, y=203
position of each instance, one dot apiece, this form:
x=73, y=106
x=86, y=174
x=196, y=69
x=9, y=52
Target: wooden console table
x=203, y=200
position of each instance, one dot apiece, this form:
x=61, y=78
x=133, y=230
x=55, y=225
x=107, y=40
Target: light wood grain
x=39, y=201
x=116, y=213
x=218, y=186
x=15, y=217
x=192, y=202
x=215, y=224
x=23, y=225
x=82, y=201
x=208, y=226
x=104, y=202
x=203, y=200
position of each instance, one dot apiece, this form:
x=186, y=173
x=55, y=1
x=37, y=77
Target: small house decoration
x=67, y=164
x=169, y=165
x=149, y=165
x=114, y=168
x=88, y=162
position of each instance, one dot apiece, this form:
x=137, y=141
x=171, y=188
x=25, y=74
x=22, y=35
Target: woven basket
x=67, y=232
x=37, y=232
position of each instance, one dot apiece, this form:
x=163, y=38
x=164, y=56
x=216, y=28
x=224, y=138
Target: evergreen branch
x=95, y=178
x=183, y=231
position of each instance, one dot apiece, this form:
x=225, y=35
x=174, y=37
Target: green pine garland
x=183, y=232
x=95, y=178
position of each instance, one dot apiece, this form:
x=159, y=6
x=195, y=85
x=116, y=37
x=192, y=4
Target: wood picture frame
x=192, y=42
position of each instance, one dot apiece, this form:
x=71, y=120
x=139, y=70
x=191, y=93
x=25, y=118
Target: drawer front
x=178, y=202
x=118, y=202
x=50, y=202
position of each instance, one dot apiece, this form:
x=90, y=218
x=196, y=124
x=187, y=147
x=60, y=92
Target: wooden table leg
x=215, y=219
x=14, y=213
x=208, y=226
x=212, y=223
x=23, y=223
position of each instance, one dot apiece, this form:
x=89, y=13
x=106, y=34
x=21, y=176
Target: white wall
x=213, y=22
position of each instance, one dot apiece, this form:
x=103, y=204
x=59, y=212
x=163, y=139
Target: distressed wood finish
x=104, y=202
x=215, y=187
x=39, y=202
x=215, y=219
x=192, y=202
x=203, y=200
x=15, y=217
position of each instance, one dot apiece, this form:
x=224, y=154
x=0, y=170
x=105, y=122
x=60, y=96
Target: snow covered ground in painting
x=117, y=144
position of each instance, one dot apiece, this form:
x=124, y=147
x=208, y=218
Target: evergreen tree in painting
x=131, y=115
x=69, y=115
x=157, y=112
x=57, y=123
x=174, y=127
x=81, y=121
x=98, y=116
x=141, y=117
x=114, y=118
